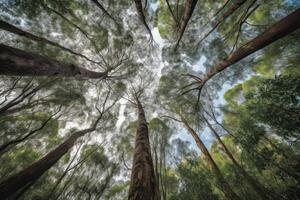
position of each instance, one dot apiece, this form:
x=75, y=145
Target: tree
x=64, y=64
x=29, y=175
x=142, y=184
x=275, y=32
x=15, y=62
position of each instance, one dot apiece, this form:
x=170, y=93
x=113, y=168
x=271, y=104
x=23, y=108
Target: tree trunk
x=259, y=189
x=30, y=174
x=224, y=186
x=187, y=14
x=8, y=145
x=139, y=8
x=275, y=32
x=13, y=29
x=142, y=184
x=15, y=62
x=172, y=13
x=104, y=10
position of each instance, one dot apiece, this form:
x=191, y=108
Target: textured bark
x=259, y=189
x=187, y=14
x=13, y=29
x=104, y=10
x=224, y=186
x=275, y=32
x=30, y=174
x=229, y=12
x=139, y=8
x=142, y=184
x=15, y=62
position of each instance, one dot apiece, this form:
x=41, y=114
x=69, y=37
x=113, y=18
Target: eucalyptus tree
x=141, y=14
x=16, y=62
x=258, y=137
x=143, y=184
x=33, y=172
x=160, y=134
x=93, y=162
x=259, y=189
x=189, y=7
x=60, y=58
x=184, y=110
x=280, y=29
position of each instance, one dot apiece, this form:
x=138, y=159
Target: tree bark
x=224, y=186
x=187, y=14
x=259, y=189
x=32, y=173
x=142, y=184
x=13, y=29
x=16, y=62
x=275, y=32
x=139, y=8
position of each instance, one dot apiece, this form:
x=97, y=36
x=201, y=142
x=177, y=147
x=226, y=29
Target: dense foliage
x=74, y=134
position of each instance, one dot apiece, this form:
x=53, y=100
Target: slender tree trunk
x=104, y=10
x=139, y=8
x=13, y=29
x=171, y=11
x=142, y=185
x=8, y=145
x=261, y=155
x=30, y=174
x=229, y=12
x=275, y=32
x=157, y=177
x=15, y=62
x=259, y=189
x=187, y=14
x=224, y=186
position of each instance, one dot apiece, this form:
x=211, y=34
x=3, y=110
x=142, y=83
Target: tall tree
x=260, y=189
x=142, y=184
x=16, y=62
x=32, y=173
x=139, y=8
x=187, y=14
x=280, y=29
x=223, y=184
x=13, y=29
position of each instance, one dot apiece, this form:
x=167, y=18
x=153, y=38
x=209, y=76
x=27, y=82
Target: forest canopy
x=150, y=100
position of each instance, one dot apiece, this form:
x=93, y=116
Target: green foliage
x=276, y=103
x=194, y=181
x=261, y=115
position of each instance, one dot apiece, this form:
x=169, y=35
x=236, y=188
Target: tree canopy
x=150, y=100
